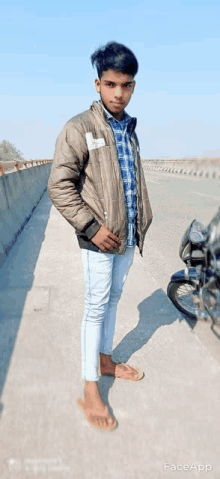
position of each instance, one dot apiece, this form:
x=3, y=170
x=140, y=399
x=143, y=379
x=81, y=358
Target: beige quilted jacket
x=85, y=182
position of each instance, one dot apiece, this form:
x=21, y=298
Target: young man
x=97, y=183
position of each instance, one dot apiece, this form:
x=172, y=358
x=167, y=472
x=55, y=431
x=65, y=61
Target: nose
x=118, y=92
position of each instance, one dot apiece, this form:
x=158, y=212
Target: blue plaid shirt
x=122, y=131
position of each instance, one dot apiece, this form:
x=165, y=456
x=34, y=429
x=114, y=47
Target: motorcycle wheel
x=181, y=294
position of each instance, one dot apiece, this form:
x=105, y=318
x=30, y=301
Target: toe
x=128, y=372
x=102, y=422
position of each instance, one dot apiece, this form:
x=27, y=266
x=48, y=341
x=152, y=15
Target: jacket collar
x=98, y=107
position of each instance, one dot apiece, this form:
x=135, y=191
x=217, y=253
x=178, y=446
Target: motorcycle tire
x=176, y=290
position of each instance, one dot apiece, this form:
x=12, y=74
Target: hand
x=105, y=239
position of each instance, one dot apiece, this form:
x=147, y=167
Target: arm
x=71, y=153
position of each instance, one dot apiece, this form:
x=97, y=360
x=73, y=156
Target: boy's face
x=115, y=89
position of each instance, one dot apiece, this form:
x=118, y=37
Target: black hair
x=114, y=56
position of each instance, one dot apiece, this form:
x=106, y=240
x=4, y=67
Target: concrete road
x=169, y=424
x=176, y=201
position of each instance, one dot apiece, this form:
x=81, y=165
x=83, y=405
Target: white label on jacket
x=94, y=143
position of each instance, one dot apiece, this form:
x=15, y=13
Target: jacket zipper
x=113, y=137
x=137, y=190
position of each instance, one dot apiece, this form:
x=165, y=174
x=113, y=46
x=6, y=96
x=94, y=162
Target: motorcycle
x=195, y=290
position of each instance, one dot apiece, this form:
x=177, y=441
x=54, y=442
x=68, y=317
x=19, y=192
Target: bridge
x=167, y=421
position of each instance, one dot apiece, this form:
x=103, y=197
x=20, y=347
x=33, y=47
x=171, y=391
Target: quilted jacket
x=86, y=185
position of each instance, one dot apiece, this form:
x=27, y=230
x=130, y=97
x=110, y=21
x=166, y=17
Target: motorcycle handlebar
x=211, y=228
x=214, y=221
x=216, y=218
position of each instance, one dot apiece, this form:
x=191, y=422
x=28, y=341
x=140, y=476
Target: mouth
x=117, y=104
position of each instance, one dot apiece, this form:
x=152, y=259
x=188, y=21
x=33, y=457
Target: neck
x=117, y=116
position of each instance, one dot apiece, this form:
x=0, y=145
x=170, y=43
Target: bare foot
x=118, y=370
x=95, y=410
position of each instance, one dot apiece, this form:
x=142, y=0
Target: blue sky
x=46, y=76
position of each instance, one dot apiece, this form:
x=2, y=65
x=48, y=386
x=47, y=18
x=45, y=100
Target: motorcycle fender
x=187, y=274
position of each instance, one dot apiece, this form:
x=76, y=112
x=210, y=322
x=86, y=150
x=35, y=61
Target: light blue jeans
x=104, y=278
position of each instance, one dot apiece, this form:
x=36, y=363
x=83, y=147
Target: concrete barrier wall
x=207, y=167
x=19, y=194
x=20, y=191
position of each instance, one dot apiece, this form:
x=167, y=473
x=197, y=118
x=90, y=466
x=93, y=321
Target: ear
x=97, y=85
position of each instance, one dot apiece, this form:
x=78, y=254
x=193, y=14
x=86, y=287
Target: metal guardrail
x=5, y=166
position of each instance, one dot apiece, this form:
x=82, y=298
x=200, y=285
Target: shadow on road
x=154, y=312
x=16, y=278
